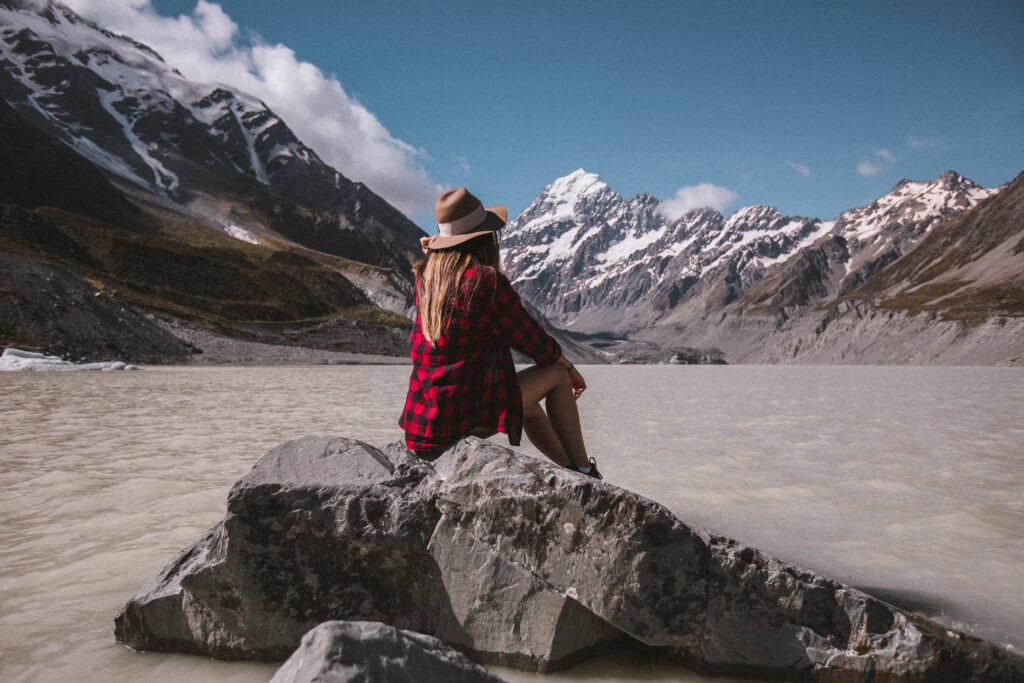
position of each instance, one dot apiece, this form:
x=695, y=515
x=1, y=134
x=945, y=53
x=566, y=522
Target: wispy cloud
x=461, y=163
x=915, y=142
x=881, y=160
x=799, y=168
x=207, y=46
x=868, y=168
x=704, y=195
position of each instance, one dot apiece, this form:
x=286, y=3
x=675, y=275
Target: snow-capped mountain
x=572, y=238
x=595, y=262
x=201, y=146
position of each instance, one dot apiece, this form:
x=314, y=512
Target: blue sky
x=812, y=107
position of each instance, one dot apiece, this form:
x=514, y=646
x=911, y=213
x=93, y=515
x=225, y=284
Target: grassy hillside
x=201, y=275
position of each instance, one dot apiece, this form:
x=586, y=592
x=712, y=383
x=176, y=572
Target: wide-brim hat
x=461, y=217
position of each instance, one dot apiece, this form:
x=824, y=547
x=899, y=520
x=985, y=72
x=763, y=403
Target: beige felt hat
x=460, y=217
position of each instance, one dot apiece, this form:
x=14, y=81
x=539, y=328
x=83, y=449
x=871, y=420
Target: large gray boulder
x=368, y=651
x=516, y=562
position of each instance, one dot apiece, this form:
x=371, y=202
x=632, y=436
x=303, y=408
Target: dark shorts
x=435, y=453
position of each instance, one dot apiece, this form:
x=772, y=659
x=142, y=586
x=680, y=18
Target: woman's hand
x=579, y=385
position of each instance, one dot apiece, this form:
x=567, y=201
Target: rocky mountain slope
x=957, y=298
x=642, y=286
x=219, y=153
x=191, y=202
x=45, y=303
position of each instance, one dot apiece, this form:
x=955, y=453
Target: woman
x=463, y=380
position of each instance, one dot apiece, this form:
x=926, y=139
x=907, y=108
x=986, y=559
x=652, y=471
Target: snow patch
x=101, y=157
x=677, y=248
x=163, y=178
x=254, y=158
x=240, y=233
x=629, y=245
x=14, y=360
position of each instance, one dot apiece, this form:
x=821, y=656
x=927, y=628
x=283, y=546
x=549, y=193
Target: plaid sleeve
x=503, y=310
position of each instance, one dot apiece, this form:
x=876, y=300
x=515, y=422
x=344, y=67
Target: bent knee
x=538, y=381
x=559, y=371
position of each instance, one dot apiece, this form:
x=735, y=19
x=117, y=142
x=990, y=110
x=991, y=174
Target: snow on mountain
x=599, y=251
x=121, y=106
x=592, y=260
x=916, y=204
x=66, y=65
x=550, y=231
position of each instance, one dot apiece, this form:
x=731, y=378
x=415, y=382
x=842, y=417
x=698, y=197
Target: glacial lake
x=907, y=482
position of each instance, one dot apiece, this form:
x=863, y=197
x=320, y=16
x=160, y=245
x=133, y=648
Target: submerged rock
x=517, y=562
x=340, y=651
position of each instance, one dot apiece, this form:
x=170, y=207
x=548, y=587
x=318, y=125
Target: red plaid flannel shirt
x=467, y=379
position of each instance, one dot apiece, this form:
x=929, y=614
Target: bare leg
x=557, y=434
x=541, y=434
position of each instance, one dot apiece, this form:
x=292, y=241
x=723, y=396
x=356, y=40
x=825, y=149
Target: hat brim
x=497, y=217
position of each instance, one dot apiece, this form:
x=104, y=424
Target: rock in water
x=516, y=562
x=340, y=651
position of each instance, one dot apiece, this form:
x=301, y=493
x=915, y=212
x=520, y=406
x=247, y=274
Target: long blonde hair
x=438, y=279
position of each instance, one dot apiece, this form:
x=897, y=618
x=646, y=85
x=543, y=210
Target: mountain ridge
x=118, y=103
x=216, y=235
x=707, y=281
x=205, y=171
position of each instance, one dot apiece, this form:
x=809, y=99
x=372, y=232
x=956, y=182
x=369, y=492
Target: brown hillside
x=969, y=268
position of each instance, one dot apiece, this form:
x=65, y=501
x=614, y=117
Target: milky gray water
x=906, y=481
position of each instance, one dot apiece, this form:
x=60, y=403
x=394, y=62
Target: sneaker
x=592, y=473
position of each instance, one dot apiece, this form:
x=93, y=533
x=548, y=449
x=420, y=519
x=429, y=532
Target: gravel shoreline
x=222, y=350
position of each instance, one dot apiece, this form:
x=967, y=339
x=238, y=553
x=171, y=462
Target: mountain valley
x=173, y=205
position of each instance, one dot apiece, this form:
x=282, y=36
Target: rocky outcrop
x=340, y=651
x=516, y=562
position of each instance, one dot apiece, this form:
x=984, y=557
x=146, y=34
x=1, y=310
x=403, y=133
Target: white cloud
x=799, y=168
x=704, y=195
x=207, y=46
x=868, y=168
x=883, y=158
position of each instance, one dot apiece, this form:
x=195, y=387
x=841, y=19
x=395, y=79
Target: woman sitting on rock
x=468, y=316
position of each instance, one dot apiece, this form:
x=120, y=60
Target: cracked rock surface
x=516, y=562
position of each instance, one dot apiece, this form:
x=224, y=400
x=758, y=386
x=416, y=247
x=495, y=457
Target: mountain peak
x=916, y=205
x=757, y=215
x=581, y=173
x=65, y=22
x=949, y=181
x=576, y=184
